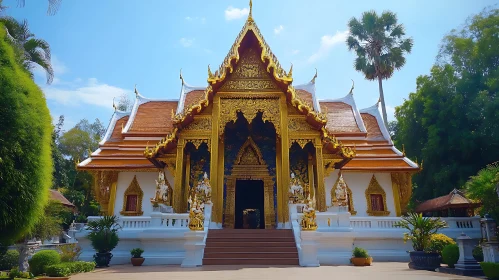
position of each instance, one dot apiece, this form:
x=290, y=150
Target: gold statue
x=308, y=220
x=163, y=191
x=196, y=215
x=341, y=193
x=296, y=192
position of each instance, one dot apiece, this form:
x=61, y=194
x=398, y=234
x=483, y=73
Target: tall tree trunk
x=382, y=98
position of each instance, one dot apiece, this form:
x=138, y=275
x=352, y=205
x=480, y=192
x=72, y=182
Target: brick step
x=249, y=244
x=249, y=239
x=211, y=249
x=251, y=255
x=249, y=261
x=252, y=231
x=247, y=235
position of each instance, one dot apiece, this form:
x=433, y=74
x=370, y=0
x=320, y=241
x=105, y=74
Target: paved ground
x=384, y=271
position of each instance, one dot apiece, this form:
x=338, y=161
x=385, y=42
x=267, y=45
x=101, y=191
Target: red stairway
x=250, y=247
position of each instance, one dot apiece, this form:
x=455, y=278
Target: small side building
x=454, y=204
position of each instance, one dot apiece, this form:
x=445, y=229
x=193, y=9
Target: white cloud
x=92, y=92
x=186, y=42
x=232, y=13
x=278, y=29
x=328, y=42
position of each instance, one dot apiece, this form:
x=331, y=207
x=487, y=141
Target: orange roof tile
x=454, y=199
x=55, y=195
x=340, y=117
x=116, y=135
x=377, y=164
x=305, y=96
x=192, y=98
x=372, y=127
x=154, y=116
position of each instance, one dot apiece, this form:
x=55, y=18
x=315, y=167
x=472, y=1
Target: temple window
x=376, y=199
x=132, y=200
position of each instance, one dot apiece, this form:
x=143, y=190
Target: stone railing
x=156, y=220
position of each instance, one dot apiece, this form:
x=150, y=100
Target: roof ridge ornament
x=114, y=105
x=250, y=15
x=181, y=77
x=353, y=86
x=379, y=101
x=136, y=91
x=315, y=77
x=290, y=73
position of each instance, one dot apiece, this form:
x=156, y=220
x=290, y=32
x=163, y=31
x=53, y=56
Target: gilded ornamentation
x=299, y=124
x=235, y=85
x=330, y=165
x=102, y=185
x=296, y=191
x=375, y=188
x=249, y=108
x=404, y=184
x=133, y=190
x=249, y=170
x=164, y=191
x=300, y=142
x=198, y=142
x=199, y=124
x=170, y=162
x=196, y=215
x=349, y=197
x=203, y=189
x=308, y=221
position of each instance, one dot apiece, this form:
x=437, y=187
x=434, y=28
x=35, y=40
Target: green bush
x=104, y=233
x=68, y=268
x=69, y=252
x=136, y=253
x=9, y=260
x=25, y=146
x=360, y=253
x=491, y=270
x=42, y=259
x=450, y=255
x=16, y=273
x=478, y=253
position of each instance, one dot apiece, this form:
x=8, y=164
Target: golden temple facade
x=248, y=130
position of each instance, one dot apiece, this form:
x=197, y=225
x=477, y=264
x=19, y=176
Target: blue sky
x=101, y=49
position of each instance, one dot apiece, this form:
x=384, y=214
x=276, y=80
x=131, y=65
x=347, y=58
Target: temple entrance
x=249, y=204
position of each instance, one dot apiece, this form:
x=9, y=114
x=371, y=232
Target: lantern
x=488, y=228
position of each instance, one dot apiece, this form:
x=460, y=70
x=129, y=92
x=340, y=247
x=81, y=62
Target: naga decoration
x=163, y=191
x=196, y=214
x=308, y=220
x=296, y=191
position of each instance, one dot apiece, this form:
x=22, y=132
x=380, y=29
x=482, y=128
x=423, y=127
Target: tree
x=482, y=187
x=380, y=45
x=124, y=103
x=60, y=176
x=53, y=6
x=34, y=51
x=451, y=121
x=25, y=152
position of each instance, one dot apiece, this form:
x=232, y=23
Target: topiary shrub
x=25, y=146
x=9, y=260
x=450, y=255
x=16, y=273
x=478, y=253
x=360, y=253
x=438, y=241
x=491, y=270
x=42, y=259
x=58, y=270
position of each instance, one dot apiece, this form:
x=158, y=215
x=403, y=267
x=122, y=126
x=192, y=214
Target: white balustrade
x=138, y=222
x=175, y=220
x=463, y=222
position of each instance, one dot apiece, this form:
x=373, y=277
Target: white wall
x=358, y=183
x=147, y=182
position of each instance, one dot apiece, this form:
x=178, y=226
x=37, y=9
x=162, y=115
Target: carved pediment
x=249, y=154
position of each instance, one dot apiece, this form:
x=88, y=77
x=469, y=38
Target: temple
x=254, y=144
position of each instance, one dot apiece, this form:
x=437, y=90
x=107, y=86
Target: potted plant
x=360, y=257
x=137, y=259
x=104, y=238
x=420, y=231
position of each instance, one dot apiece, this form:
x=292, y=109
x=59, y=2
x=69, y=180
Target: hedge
x=41, y=259
x=68, y=268
x=25, y=146
x=9, y=260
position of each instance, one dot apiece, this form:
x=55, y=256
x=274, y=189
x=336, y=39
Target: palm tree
x=34, y=50
x=52, y=9
x=380, y=45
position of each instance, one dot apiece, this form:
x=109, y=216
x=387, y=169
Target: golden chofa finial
x=379, y=101
x=210, y=75
x=181, y=78
x=315, y=77
x=353, y=85
x=290, y=73
x=422, y=164
x=250, y=16
x=403, y=150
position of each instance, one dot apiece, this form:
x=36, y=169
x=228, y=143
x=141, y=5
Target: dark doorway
x=249, y=195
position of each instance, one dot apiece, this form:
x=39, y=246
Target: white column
x=308, y=256
x=194, y=248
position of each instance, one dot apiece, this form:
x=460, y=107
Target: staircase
x=250, y=247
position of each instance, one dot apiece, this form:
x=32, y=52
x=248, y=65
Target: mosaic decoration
x=298, y=163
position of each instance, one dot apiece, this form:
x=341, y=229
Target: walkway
x=382, y=271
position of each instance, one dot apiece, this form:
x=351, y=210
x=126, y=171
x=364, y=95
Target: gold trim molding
x=133, y=189
x=351, y=208
x=375, y=188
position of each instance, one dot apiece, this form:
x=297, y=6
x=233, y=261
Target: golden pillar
x=311, y=179
x=186, y=188
x=321, y=190
x=283, y=181
x=216, y=191
x=179, y=169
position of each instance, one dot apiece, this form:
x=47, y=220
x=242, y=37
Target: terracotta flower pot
x=137, y=261
x=53, y=278
x=362, y=261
